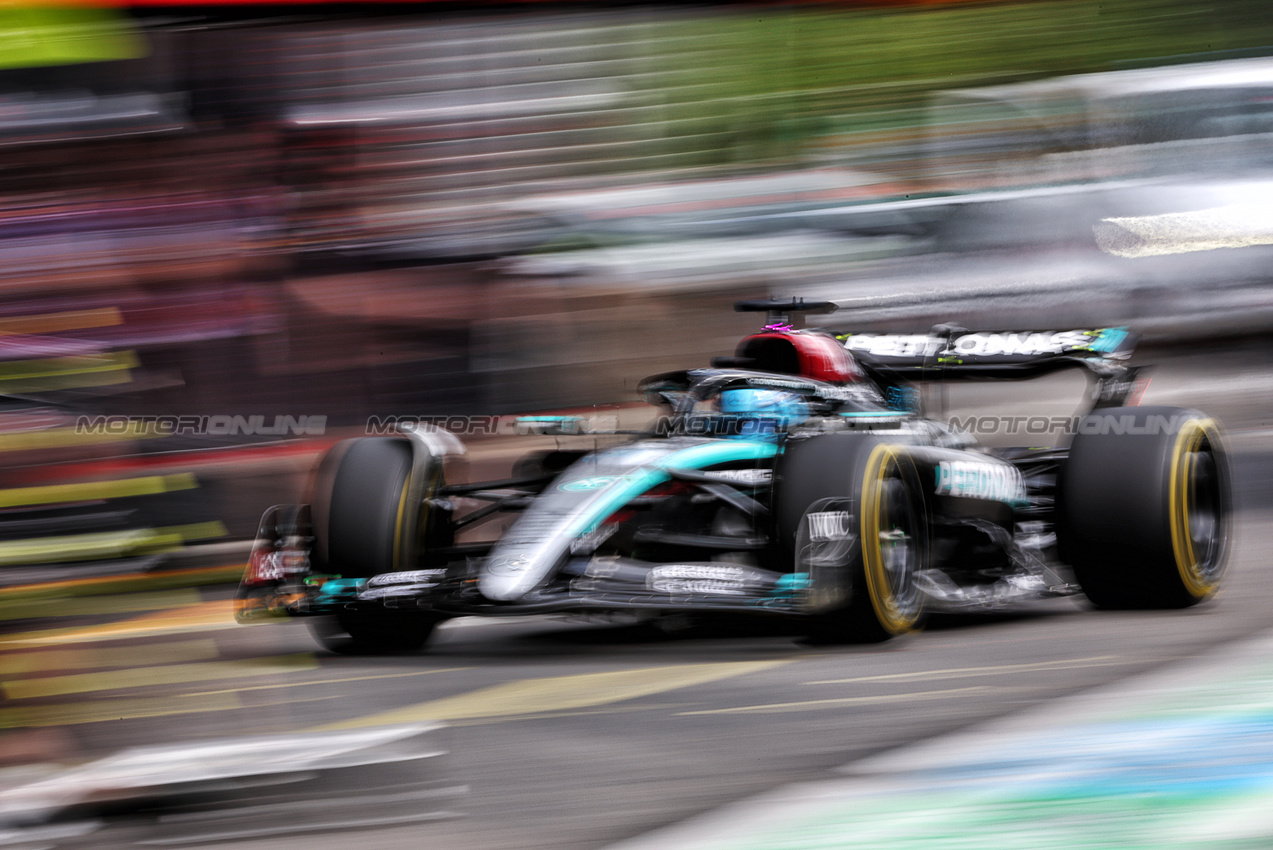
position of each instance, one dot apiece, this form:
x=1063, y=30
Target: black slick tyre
x=359, y=500
x=865, y=492
x=1143, y=507
x=374, y=631
x=360, y=533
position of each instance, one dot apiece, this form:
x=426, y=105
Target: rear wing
x=894, y=361
x=959, y=353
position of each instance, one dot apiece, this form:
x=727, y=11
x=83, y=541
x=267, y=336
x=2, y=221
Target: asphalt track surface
x=584, y=734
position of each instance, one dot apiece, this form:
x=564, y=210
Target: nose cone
x=510, y=573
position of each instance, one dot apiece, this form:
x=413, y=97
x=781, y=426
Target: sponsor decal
x=719, y=572
x=408, y=577
x=1028, y=344
x=827, y=539
x=684, y=586
x=779, y=383
x=973, y=480
x=583, y=485
x=755, y=477
x=859, y=394
x=393, y=591
x=716, y=579
x=587, y=544
x=265, y=565
x=825, y=526
x=894, y=345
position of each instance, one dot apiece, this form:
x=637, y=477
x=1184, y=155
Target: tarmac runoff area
x=1175, y=759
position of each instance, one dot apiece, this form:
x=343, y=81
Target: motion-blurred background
x=345, y=211
x=231, y=234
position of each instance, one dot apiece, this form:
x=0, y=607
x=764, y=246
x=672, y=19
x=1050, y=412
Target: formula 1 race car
x=794, y=479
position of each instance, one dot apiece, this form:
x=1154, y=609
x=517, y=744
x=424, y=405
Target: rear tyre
x=1143, y=508
x=873, y=556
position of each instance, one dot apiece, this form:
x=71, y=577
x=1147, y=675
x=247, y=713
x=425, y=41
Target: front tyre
x=1143, y=507
x=359, y=518
x=374, y=631
x=894, y=540
x=363, y=527
x=861, y=534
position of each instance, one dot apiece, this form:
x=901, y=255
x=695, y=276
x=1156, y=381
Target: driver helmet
x=759, y=414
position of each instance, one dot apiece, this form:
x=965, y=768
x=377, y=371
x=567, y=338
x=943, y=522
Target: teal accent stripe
x=1109, y=339
x=634, y=483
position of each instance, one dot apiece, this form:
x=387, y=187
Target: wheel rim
x=1198, y=510
x=892, y=542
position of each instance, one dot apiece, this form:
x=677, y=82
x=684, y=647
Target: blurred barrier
x=233, y=788
x=98, y=520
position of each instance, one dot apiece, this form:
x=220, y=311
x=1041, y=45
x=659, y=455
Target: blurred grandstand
x=231, y=212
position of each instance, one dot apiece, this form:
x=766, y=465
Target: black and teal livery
x=794, y=479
